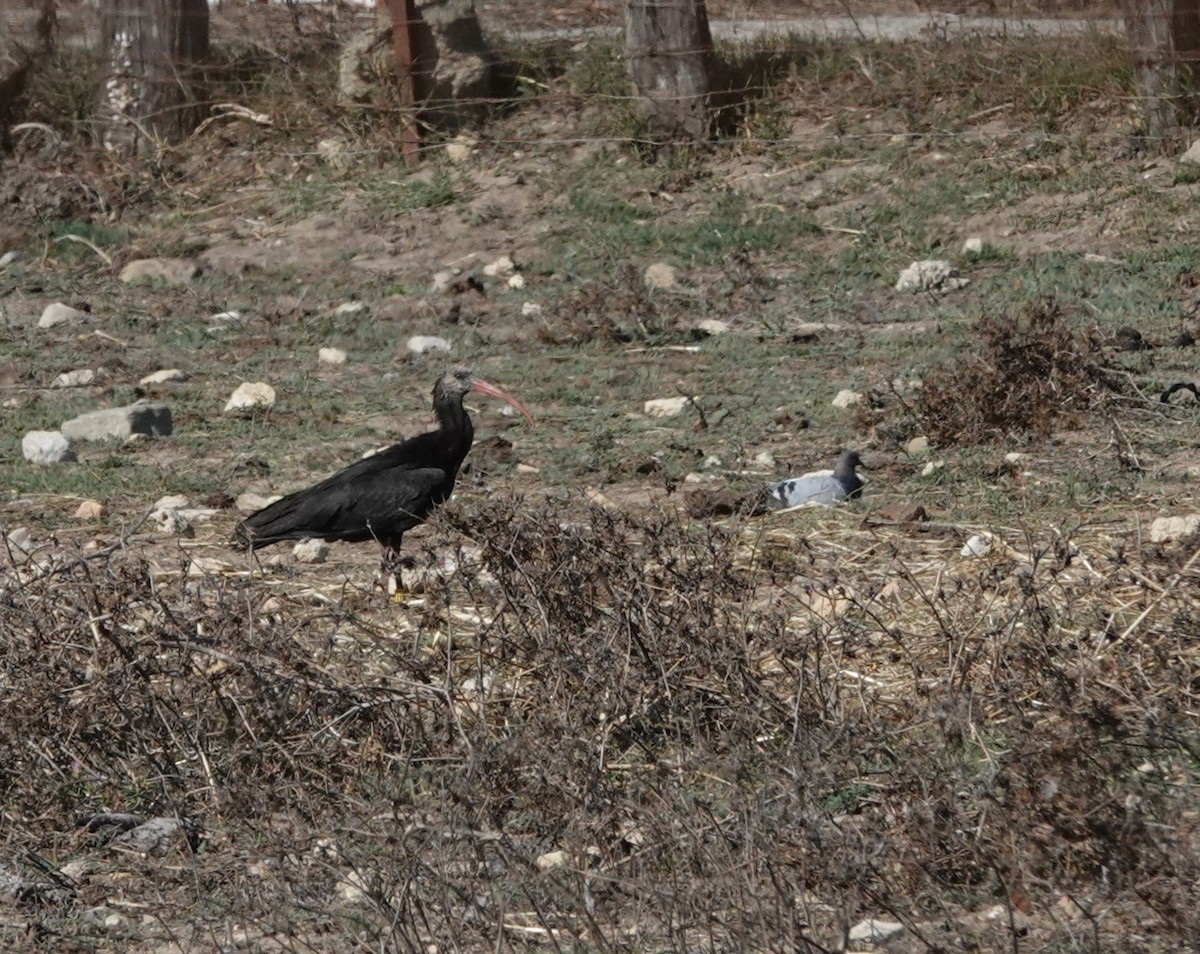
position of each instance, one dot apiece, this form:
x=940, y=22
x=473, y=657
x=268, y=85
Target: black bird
x=380, y=497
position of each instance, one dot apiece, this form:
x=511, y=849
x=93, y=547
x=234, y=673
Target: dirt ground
x=615, y=709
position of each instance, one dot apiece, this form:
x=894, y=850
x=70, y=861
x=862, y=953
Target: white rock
x=978, y=545
x=59, y=314
x=527, y=469
x=428, y=344
x=500, y=267
x=918, y=446
x=516, y=281
x=350, y=308
x=665, y=407
x=443, y=279
x=847, y=398
x=89, y=510
x=155, y=835
x=229, y=318
x=660, y=275
x=552, y=859
x=875, y=932
x=973, y=245
x=9, y=257
x=928, y=275
x=531, y=309
x=142, y=417
x=171, y=271
x=932, y=468
x=171, y=502
x=313, y=550
x=165, y=376
x=74, y=379
x=712, y=460
x=1174, y=528
x=248, y=502
x=333, y=152
x=1193, y=153
x=712, y=326
x=331, y=356
x=46, y=447
x=17, y=542
x=1016, y=457
x=459, y=149
x=251, y=394
x=764, y=459
x=171, y=521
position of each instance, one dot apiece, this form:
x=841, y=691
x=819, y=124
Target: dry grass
x=739, y=736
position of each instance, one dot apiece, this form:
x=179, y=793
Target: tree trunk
x=146, y=90
x=1164, y=41
x=670, y=60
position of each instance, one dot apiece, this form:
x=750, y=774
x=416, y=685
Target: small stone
x=171, y=521
x=500, y=267
x=89, y=510
x=8, y=258
x=871, y=931
x=552, y=859
x=333, y=152
x=170, y=271
x=597, y=499
x=665, y=407
x=428, y=344
x=764, y=459
x=977, y=546
x=458, y=150
x=531, y=309
x=712, y=326
x=248, y=502
x=75, y=379
x=46, y=447
x=930, y=275
x=973, y=246
x=350, y=308
x=442, y=280
x=1165, y=529
x=901, y=513
x=171, y=502
x=1016, y=457
x=17, y=543
x=313, y=550
x=516, y=281
x=331, y=356
x=143, y=417
x=59, y=314
x=165, y=376
x=527, y=469
x=660, y=276
x=917, y=447
x=227, y=319
x=155, y=836
x=932, y=468
x=251, y=394
x=1193, y=154
x=847, y=398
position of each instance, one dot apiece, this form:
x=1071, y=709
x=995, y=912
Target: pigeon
x=819, y=488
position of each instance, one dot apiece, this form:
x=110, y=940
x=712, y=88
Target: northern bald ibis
x=380, y=497
x=824, y=487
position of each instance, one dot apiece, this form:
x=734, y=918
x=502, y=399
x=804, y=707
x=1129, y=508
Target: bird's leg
x=389, y=571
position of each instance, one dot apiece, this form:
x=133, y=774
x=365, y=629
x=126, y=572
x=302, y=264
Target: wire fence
x=1034, y=66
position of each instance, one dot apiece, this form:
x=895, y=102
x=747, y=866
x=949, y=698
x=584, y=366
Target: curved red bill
x=486, y=387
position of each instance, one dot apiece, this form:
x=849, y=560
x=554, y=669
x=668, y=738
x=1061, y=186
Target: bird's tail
x=273, y=523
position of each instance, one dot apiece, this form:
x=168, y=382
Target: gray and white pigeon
x=823, y=487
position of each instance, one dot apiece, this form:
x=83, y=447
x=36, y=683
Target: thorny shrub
x=1024, y=376
x=649, y=697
